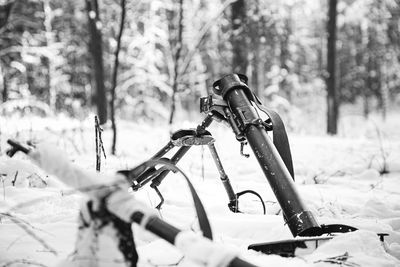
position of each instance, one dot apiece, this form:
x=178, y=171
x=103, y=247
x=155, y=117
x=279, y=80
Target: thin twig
x=85, y=189
x=101, y=143
x=26, y=222
x=29, y=232
x=63, y=135
x=23, y=225
x=15, y=178
x=98, y=158
x=23, y=261
x=4, y=188
x=383, y=169
x=168, y=264
x=15, y=241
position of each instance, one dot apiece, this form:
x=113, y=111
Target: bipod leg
x=163, y=150
x=140, y=176
x=160, y=196
x=233, y=200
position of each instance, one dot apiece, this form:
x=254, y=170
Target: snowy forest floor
x=339, y=179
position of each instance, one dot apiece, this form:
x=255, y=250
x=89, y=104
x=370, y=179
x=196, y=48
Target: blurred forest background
x=152, y=60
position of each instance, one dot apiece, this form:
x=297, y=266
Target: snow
x=362, y=246
x=338, y=178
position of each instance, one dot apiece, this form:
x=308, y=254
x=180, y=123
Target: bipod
x=183, y=140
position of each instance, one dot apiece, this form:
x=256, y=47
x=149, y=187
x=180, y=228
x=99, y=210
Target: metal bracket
x=213, y=104
x=246, y=115
x=191, y=138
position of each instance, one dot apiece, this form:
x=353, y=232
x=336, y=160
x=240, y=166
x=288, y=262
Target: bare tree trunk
x=256, y=52
x=261, y=55
x=254, y=68
x=332, y=96
x=362, y=62
x=321, y=53
x=48, y=17
x=114, y=77
x=179, y=45
x=366, y=107
x=384, y=90
x=3, y=84
x=238, y=37
x=5, y=11
x=96, y=50
x=285, y=55
x=261, y=73
x=258, y=68
x=369, y=88
x=383, y=87
x=210, y=63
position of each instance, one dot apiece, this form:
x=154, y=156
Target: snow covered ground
x=338, y=178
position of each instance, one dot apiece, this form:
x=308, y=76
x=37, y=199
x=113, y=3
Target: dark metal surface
x=287, y=248
x=223, y=176
x=174, y=160
x=299, y=219
x=190, y=137
x=157, y=227
x=169, y=232
x=163, y=150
